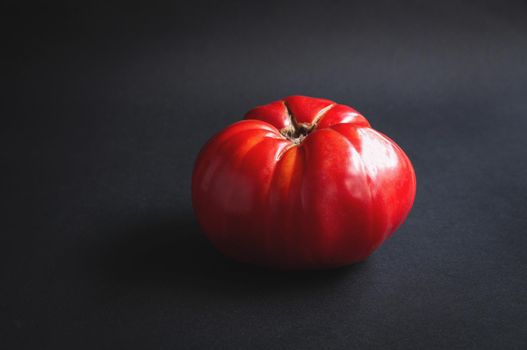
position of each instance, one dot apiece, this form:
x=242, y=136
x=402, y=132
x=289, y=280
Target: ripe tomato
x=301, y=183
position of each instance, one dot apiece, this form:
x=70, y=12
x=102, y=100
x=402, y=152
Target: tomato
x=301, y=183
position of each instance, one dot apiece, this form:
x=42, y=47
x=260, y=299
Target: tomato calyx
x=297, y=132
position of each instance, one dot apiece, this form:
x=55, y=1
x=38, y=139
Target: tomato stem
x=296, y=132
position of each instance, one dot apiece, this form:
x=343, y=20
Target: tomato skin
x=325, y=200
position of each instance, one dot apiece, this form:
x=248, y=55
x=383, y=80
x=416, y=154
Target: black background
x=105, y=106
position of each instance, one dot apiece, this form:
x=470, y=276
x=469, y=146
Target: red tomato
x=301, y=183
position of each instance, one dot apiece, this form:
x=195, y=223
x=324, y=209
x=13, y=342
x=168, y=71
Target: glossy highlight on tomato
x=301, y=183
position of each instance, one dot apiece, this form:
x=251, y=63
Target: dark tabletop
x=104, y=108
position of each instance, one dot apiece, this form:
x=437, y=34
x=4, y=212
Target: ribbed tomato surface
x=301, y=183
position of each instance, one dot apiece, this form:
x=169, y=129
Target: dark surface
x=105, y=108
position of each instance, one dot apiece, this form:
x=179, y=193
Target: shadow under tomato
x=174, y=253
